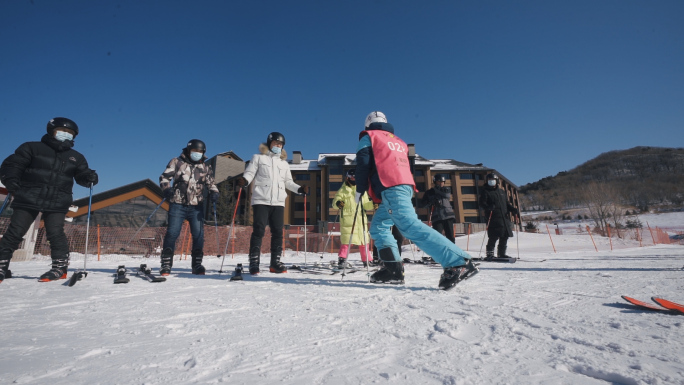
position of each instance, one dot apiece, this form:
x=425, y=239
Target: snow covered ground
x=561, y=321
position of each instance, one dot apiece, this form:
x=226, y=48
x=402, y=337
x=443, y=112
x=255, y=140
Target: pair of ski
x=143, y=271
x=323, y=270
x=663, y=305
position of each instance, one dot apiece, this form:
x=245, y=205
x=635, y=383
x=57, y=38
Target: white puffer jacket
x=271, y=175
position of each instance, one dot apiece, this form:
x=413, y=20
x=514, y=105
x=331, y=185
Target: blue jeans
x=179, y=213
x=396, y=209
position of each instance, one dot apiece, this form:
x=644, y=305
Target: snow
x=561, y=321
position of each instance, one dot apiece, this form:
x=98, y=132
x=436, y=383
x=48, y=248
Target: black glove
x=12, y=186
x=241, y=181
x=340, y=204
x=304, y=190
x=168, y=194
x=515, y=211
x=213, y=197
x=92, y=178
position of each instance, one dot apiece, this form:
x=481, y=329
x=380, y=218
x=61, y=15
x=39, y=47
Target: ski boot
x=454, y=275
x=277, y=266
x=502, y=252
x=197, y=268
x=490, y=255
x=5, y=256
x=58, y=271
x=166, y=261
x=392, y=271
x=254, y=260
x=237, y=275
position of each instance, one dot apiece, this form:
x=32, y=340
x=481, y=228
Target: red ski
x=644, y=305
x=668, y=304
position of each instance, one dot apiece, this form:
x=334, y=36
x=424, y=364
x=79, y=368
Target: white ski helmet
x=374, y=117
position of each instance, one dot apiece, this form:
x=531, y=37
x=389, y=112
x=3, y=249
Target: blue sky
x=529, y=88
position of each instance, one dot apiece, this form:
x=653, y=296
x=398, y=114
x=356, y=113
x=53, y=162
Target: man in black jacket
x=438, y=202
x=497, y=209
x=40, y=176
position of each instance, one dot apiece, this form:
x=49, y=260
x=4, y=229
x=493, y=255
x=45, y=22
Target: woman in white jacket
x=271, y=175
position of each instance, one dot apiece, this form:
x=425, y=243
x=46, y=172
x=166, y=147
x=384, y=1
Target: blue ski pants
x=396, y=209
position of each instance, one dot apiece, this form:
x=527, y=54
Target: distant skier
x=383, y=170
x=40, y=176
x=190, y=176
x=438, y=202
x=344, y=201
x=497, y=209
x=271, y=175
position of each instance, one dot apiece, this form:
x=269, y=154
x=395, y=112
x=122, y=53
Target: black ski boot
x=237, y=275
x=254, y=260
x=197, y=268
x=342, y=263
x=58, y=271
x=392, y=270
x=277, y=266
x=490, y=255
x=502, y=252
x=454, y=275
x=166, y=261
x=5, y=256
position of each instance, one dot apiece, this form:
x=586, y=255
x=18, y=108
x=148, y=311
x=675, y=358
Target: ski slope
x=561, y=321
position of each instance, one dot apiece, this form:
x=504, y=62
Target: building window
x=302, y=176
x=471, y=219
x=334, y=186
x=418, y=173
x=298, y=221
x=466, y=176
x=468, y=205
x=468, y=190
x=420, y=186
x=335, y=166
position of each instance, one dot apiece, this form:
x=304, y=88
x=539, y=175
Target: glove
x=92, y=177
x=358, y=197
x=241, y=181
x=12, y=187
x=213, y=197
x=168, y=193
x=515, y=211
x=304, y=190
x=375, y=206
x=340, y=204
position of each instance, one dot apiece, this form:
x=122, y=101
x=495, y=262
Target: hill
x=640, y=177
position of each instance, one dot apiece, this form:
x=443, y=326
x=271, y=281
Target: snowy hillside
x=561, y=321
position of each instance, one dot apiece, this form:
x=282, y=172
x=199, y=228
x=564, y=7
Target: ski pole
x=485, y=235
x=143, y=225
x=364, y=245
x=517, y=237
x=6, y=203
x=432, y=209
x=78, y=275
x=232, y=230
x=344, y=268
x=305, y=229
x=218, y=246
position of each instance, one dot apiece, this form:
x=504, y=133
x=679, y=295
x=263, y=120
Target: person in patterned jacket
x=190, y=175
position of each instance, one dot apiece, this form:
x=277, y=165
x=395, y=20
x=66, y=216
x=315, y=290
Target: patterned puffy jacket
x=189, y=180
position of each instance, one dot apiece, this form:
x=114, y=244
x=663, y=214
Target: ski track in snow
x=556, y=322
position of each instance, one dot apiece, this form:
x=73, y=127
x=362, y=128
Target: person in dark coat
x=40, y=176
x=438, y=202
x=497, y=210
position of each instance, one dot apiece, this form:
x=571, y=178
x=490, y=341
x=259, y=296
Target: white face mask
x=276, y=150
x=62, y=136
x=492, y=182
x=195, y=156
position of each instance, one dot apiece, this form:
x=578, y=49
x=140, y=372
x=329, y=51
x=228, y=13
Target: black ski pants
x=54, y=230
x=273, y=216
x=446, y=227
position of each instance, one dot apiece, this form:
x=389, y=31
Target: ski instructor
x=383, y=170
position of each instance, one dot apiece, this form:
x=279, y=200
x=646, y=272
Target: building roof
x=113, y=196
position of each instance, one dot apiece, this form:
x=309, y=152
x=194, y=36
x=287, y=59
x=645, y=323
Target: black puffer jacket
x=494, y=201
x=45, y=172
x=440, y=199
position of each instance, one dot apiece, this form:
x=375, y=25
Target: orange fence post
x=549, y=231
x=609, y=237
x=592, y=238
x=468, y=242
x=98, y=243
x=651, y=231
x=639, y=237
